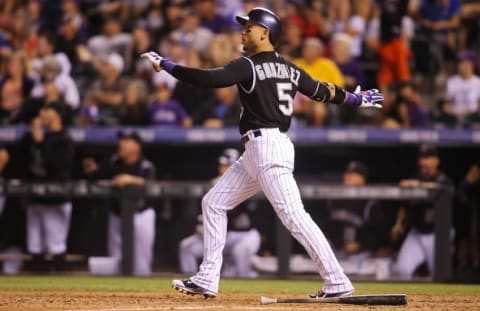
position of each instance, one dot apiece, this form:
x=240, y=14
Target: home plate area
x=151, y=301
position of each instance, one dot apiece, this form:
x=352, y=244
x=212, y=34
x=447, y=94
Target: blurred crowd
x=84, y=55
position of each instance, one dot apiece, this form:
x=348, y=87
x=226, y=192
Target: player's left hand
x=370, y=98
x=154, y=59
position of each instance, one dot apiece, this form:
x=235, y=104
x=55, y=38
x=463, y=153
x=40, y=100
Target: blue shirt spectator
x=165, y=111
x=435, y=10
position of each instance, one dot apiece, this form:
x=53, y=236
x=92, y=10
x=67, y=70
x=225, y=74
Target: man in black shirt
x=267, y=84
x=129, y=167
x=418, y=219
x=45, y=154
x=356, y=226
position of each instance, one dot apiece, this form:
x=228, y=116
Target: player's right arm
x=237, y=71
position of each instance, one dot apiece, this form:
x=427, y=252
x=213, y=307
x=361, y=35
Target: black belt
x=246, y=138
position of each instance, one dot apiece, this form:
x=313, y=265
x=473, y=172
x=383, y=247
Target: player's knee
x=210, y=202
x=207, y=200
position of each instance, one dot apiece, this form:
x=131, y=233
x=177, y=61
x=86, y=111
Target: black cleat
x=322, y=295
x=189, y=288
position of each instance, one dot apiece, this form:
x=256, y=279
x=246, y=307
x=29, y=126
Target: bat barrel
x=375, y=300
x=391, y=300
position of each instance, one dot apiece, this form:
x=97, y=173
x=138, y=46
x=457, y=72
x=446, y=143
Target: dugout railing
x=441, y=197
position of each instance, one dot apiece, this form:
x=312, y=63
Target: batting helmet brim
x=242, y=19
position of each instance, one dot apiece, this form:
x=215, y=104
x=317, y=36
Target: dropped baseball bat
x=390, y=300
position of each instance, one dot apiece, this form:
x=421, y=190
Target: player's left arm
x=331, y=93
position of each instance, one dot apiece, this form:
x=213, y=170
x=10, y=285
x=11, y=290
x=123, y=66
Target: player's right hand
x=154, y=59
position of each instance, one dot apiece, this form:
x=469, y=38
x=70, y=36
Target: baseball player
x=46, y=153
x=267, y=84
x=126, y=167
x=418, y=218
x=242, y=242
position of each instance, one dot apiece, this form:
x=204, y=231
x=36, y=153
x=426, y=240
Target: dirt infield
x=148, y=301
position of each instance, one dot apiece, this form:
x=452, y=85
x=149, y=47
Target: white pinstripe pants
x=267, y=165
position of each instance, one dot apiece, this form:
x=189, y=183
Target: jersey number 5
x=285, y=98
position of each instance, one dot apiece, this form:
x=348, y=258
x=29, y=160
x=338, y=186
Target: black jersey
x=267, y=84
x=267, y=97
x=421, y=216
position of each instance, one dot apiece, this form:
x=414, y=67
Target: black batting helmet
x=265, y=18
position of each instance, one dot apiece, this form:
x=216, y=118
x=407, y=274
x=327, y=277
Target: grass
x=124, y=284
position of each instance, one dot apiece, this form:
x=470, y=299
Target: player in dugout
x=267, y=83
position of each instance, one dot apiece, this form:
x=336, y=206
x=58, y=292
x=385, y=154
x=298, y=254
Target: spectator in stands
x=73, y=16
x=469, y=36
x=128, y=167
x=19, y=30
x=68, y=41
x=174, y=50
x=154, y=17
x=52, y=94
x=50, y=15
x=165, y=111
x=192, y=34
x=439, y=20
x=417, y=219
x=242, y=243
x=133, y=10
x=357, y=227
x=51, y=70
x=462, y=98
x=112, y=40
x=5, y=48
x=220, y=51
x=46, y=154
x=407, y=111
x=352, y=21
x=173, y=16
x=106, y=92
x=224, y=110
x=308, y=16
x=142, y=41
x=135, y=99
x=46, y=46
x=33, y=10
x=341, y=47
x=393, y=51
x=316, y=65
x=357, y=25
x=72, y=32
x=290, y=45
x=207, y=11
x=15, y=89
x=99, y=11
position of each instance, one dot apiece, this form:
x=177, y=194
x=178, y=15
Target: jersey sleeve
x=237, y=71
x=318, y=90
